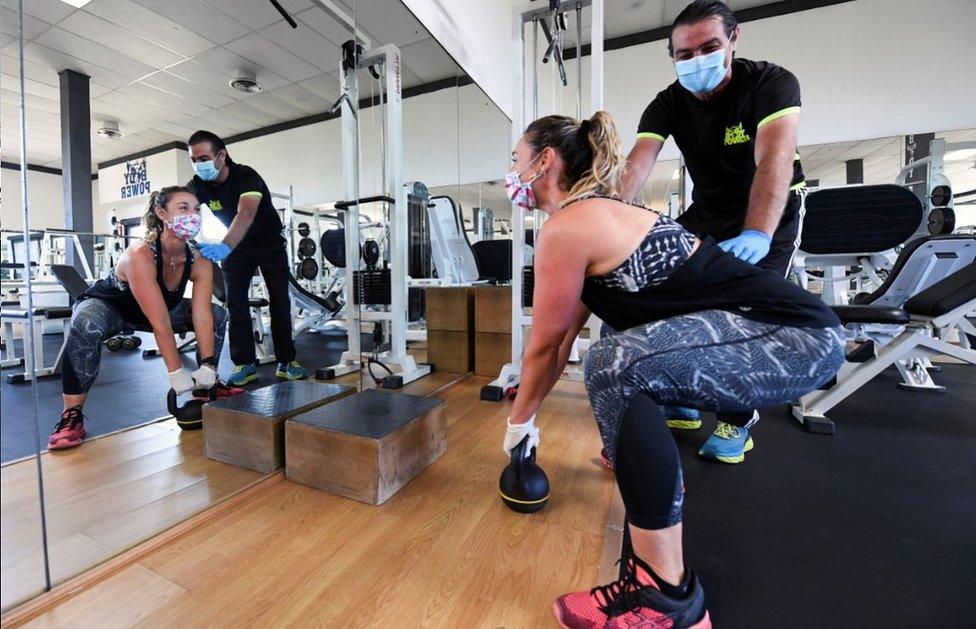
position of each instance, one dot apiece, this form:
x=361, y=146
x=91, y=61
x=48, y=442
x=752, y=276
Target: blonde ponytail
x=590, y=151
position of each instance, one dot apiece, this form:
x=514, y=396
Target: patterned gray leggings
x=712, y=361
x=94, y=321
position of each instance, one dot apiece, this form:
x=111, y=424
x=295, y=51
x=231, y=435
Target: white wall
x=867, y=69
x=478, y=36
x=310, y=158
x=168, y=168
x=44, y=194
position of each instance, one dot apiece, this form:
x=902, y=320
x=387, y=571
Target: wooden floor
x=102, y=498
x=442, y=552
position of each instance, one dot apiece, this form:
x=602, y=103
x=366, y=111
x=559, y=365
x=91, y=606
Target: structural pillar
x=76, y=172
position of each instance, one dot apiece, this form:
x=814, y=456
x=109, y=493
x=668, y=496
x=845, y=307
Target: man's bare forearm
x=767, y=198
x=237, y=230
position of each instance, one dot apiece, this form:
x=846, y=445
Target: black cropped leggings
x=712, y=361
x=94, y=321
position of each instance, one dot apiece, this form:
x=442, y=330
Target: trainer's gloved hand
x=205, y=377
x=214, y=251
x=180, y=381
x=751, y=245
x=517, y=432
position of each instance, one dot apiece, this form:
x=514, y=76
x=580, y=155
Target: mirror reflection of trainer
x=735, y=122
x=239, y=198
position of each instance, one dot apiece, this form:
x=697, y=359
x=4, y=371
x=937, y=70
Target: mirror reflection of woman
x=146, y=287
x=694, y=325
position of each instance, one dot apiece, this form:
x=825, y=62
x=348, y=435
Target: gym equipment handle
x=345, y=205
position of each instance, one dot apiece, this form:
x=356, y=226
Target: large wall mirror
x=319, y=134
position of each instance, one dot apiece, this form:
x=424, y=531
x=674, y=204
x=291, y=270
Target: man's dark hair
x=207, y=136
x=703, y=10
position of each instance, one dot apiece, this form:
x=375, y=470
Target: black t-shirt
x=717, y=138
x=222, y=199
x=710, y=279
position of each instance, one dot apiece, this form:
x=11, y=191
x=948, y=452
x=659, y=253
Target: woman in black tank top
x=145, y=290
x=697, y=328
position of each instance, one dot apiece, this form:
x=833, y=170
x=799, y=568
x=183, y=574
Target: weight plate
x=304, y=230
x=307, y=269
x=942, y=220
x=941, y=195
x=306, y=248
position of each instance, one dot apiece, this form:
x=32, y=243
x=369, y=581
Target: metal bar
x=29, y=345
x=579, y=61
x=535, y=69
x=596, y=56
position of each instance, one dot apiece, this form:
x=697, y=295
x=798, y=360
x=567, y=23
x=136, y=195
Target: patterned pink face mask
x=186, y=226
x=520, y=192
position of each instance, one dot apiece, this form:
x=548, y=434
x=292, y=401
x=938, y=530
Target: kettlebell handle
x=171, y=398
x=518, y=453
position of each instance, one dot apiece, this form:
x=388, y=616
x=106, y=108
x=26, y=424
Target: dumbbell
x=114, y=344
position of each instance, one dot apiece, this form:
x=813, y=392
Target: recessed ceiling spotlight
x=110, y=130
x=246, y=82
x=76, y=3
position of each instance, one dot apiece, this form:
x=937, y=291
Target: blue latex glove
x=217, y=251
x=750, y=246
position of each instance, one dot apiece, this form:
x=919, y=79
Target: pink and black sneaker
x=222, y=390
x=634, y=601
x=70, y=430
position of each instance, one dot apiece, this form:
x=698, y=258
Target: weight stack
x=528, y=285
x=371, y=287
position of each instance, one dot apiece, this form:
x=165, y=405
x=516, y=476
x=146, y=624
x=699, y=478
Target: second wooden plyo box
x=247, y=430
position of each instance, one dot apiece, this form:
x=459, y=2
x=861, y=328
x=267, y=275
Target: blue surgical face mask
x=207, y=171
x=701, y=74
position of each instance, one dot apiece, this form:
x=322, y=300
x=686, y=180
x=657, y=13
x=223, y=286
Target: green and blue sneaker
x=291, y=371
x=727, y=444
x=242, y=374
x=681, y=418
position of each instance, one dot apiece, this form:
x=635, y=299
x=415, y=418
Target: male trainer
x=735, y=122
x=238, y=196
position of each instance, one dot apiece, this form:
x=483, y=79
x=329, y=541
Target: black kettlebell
x=190, y=415
x=523, y=485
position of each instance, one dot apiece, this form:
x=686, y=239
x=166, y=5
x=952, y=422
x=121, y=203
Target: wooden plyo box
x=366, y=446
x=450, y=308
x=450, y=328
x=247, y=430
x=493, y=309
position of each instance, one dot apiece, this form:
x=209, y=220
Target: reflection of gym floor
x=104, y=497
x=113, y=492
x=129, y=391
x=869, y=528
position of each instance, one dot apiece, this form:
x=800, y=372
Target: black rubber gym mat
x=873, y=527
x=129, y=390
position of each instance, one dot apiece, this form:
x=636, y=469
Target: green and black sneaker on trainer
x=242, y=374
x=680, y=418
x=291, y=371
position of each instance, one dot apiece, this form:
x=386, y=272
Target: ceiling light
x=246, y=82
x=76, y=3
x=110, y=130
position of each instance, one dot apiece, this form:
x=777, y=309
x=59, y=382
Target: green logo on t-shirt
x=215, y=206
x=736, y=135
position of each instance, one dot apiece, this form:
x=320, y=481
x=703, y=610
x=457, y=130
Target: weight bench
x=318, y=310
x=926, y=318
x=854, y=227
x=11, y=317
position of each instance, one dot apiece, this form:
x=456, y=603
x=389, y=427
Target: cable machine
x=551, y=20
x=370, y=284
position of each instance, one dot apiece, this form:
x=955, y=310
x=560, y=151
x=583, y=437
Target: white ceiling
x=161, y=67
